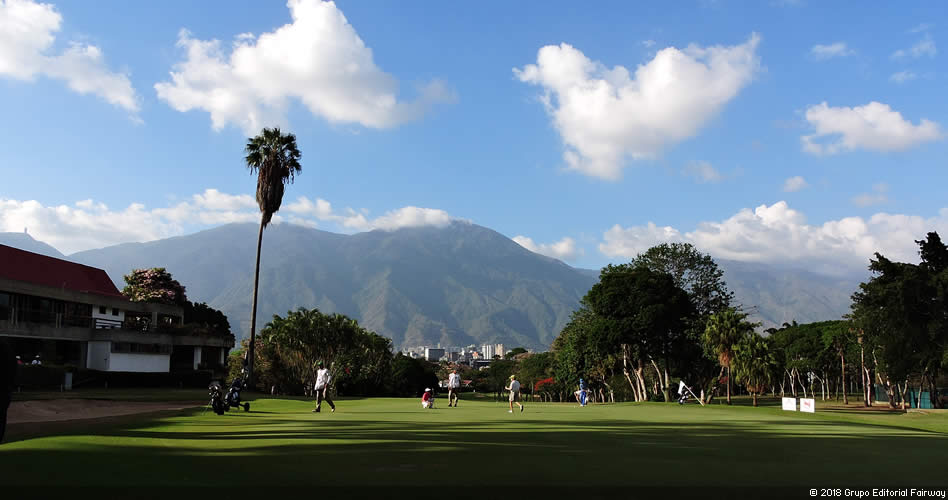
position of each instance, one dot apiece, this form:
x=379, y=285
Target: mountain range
x=456, y=285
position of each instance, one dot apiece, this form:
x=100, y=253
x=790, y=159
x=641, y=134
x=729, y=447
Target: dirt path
x=57, y=410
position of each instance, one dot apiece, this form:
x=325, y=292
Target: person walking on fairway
x=454, y=383
x=322, y=387
x=514, y=388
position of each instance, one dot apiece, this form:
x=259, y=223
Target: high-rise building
x=487, y=351
x=433, y=354
x=499, y=349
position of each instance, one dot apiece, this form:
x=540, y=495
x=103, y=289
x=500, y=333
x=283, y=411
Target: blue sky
x=778, y=132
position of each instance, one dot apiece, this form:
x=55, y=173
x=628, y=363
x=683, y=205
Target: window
x=102, y=309
x=115, y=311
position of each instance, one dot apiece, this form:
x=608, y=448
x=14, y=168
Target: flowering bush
x=541, y=383
x=153, y=285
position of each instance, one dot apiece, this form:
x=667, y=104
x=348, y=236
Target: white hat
x=428, y=389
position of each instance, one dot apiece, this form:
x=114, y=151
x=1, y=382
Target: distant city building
x=487, y=351
x=499, y=349
x=433, y=354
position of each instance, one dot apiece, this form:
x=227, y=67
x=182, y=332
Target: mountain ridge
x=456, y=285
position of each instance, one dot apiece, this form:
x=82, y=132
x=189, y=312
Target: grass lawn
x=384, y=441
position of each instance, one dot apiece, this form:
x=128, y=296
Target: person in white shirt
x=322, y=388
x=514, y=388
x=454, y=383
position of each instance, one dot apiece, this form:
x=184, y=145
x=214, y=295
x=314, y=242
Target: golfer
x=322, y=387
x=454, y=383
x=514, y=388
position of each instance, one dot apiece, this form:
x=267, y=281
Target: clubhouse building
x=68, y=313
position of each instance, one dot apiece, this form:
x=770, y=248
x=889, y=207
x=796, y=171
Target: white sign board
x=790, y=404
x=808, y=405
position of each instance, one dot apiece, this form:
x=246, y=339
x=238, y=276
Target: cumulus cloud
x=878, y=196
x=924, y=47
x=874, y=127
x=349, y=218
x=794, y=184
x=779, y=234
x=702, y=171
x=824, y=52
x=89, y=224
x=606, y=116
x=27, y=35
x=317, y=59
x=565, y=249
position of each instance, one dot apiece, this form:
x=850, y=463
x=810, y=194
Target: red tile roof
x=20, y=265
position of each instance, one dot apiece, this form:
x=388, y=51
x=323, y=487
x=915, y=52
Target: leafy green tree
x=838, y=337
x=515, y=351
x=411, y=376
x=698, y=275
x=646, y=309
x=154, y=285
x=753, y=364
x=904, y=309
x=205, y=319
x=275, y=157
x=725, y=330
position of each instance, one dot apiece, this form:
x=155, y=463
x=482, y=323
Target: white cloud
x=84, y=225
x=318, y=59
x=27, y=34
x=903, y=76
x=702, y=171
x=606, y=116
x=89, y=224
x=794, y=184
x=779, y=234
x=874, y=127
x=565, y=249
x=631, y=241
x=395, y=219
x=924, y=47
x=878, y=196
x=824, y=52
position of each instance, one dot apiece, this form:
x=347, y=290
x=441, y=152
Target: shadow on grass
x=191, y=450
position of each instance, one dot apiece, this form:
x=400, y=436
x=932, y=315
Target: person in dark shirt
x=7, y=376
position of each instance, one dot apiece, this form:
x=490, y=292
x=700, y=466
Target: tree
x=513, y=352
x=648, y=311
x=725, y=330
x=753, y=363
x=698, y=275
x=904, y=309
x=154, y=285
x=839, y=337
x=276, y=159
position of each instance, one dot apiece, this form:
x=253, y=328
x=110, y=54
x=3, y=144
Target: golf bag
x=221, y=402
x=216, y=392
x=233, y=394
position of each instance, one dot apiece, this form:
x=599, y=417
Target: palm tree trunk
x=253, y=309
x=842, y=363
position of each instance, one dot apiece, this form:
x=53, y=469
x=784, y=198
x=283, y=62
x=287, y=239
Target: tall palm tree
x=276, y=159
x=724, y=330
x=753, y=363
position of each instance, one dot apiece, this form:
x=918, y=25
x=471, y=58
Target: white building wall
x=122, y=362
x=487, y=350
x=108, y=316
x=197, y=357
x=98, y=354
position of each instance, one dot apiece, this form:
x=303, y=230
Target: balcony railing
x=131, y=323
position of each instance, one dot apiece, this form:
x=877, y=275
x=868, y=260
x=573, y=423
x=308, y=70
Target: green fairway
x=395, y=442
